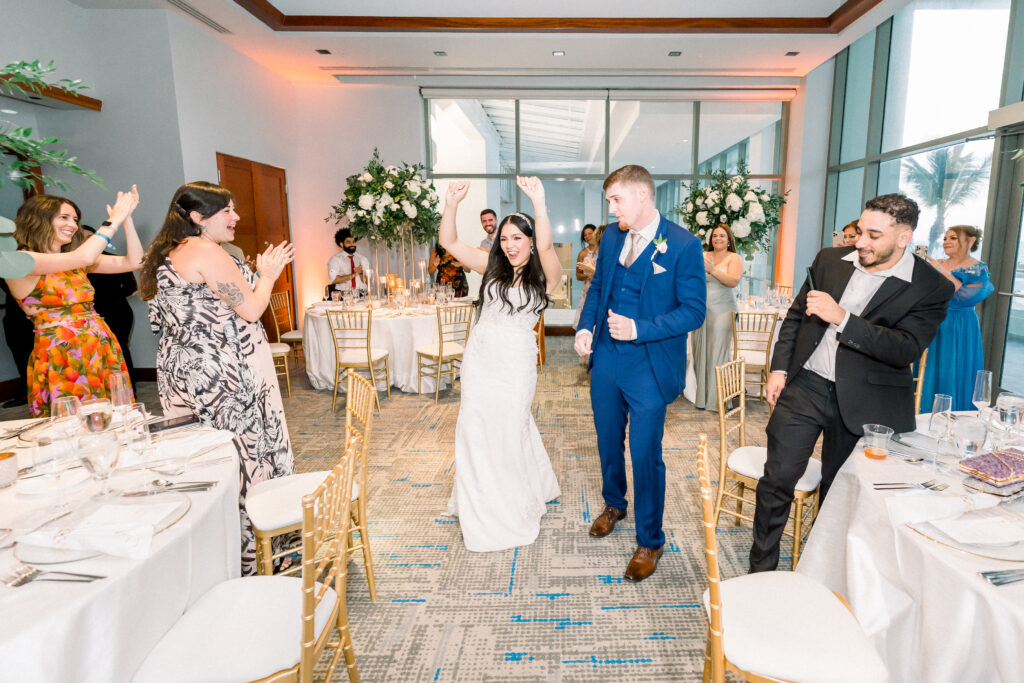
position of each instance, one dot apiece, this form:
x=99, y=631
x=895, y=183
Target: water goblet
x=335, y=295
x=1006, y=419
x=969, y=436
x=99, y=453
x=53, y=455
x=982, y=397
x=96, y=414
x=64, y=406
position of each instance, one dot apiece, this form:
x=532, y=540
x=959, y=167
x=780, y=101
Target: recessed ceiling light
x=792, y=54
x=7, y=111
x=675, y=53
x=323, y=51
x=558, y=53
x=685, y=141
x=650, y=167
x=440, y=53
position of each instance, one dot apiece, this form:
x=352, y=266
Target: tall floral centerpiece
x=752, y=213
x=394, y=207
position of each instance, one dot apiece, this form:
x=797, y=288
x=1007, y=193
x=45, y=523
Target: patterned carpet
x=558, y=610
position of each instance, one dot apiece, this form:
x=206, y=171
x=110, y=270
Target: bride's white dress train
x=503, y=476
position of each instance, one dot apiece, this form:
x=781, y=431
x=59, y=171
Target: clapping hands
x=123, y=206
x=271, y=262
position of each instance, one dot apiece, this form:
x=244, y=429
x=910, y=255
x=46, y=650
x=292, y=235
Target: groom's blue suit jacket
x=672, y=301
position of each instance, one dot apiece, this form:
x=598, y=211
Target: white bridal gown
x=503, y=476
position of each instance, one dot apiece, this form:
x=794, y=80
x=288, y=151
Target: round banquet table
x=922, y=604
x=102, y=631
x=398, y=331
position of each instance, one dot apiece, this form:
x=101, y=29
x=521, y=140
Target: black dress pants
x=806, y=408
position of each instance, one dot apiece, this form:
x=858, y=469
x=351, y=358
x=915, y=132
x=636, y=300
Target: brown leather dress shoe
x=643, y=564
x=605, y=521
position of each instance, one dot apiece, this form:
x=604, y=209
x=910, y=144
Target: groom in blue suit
x=647, y=293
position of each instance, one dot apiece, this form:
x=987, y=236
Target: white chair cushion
x=755, y=359
x=291, y=335
x=788, y=626
x=451, y=350
x=749, y=461
x=278, y=349
x=277, y=503
x=239, y=630
x=358, y=356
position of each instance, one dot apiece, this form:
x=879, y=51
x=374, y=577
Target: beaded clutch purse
x=997, y=468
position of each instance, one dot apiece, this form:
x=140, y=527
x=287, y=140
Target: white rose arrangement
x=751, y=212
x=389, y=203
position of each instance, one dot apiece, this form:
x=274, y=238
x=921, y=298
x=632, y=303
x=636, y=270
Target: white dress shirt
x=339, y=264
x=863, y=285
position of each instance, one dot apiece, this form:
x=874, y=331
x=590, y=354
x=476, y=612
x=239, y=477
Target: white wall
x=806, y=163
x=336, y=131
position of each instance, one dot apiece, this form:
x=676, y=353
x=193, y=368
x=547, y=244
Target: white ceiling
x=591, y=60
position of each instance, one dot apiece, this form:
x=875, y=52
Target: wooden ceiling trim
x=846, y=14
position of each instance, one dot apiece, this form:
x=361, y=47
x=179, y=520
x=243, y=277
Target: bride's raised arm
x=542, y=240
x=469, y=256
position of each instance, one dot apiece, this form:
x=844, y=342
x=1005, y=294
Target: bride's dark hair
x=501, y=275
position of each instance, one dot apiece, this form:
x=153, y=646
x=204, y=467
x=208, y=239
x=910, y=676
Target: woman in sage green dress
x=712, y=343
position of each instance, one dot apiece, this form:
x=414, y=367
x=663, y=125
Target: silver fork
x=23, y=573
x=1003, y=577
x=931, y=484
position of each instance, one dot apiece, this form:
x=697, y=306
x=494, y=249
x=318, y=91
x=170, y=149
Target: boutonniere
x=660, y=246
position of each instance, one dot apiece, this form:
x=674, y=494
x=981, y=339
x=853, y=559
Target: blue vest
x=624, y=299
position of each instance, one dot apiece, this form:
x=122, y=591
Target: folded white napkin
x=927, y=506
x=118, y=530
x=178, y=446
x=982, y=530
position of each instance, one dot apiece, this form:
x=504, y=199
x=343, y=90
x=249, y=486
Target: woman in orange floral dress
x=74, y=350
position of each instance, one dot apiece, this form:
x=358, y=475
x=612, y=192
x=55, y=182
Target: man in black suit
x=843, y=358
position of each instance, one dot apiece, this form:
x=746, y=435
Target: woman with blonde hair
x=712, y=343
x=74, y=350
x=955, y=354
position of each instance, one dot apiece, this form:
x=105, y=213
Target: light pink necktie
x=633, y=250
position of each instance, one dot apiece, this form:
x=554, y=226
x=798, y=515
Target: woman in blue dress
x=954, y=356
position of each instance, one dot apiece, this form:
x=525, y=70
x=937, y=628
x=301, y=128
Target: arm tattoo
x=230, y=293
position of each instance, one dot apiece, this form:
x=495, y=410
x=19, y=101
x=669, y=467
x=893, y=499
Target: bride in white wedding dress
x=503, y=476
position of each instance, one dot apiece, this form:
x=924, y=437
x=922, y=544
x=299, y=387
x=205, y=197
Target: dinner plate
x=1009, y=552
x=47, y=485
x=33, y=554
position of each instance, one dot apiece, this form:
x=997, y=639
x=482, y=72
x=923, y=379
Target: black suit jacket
x=874, y=384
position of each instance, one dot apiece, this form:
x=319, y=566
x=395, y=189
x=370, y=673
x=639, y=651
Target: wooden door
x=261, y=201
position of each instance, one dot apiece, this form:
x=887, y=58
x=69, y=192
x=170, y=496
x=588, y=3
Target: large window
x=572, y=144
x=912, y=100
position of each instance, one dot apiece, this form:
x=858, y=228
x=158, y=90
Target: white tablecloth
x=399, y=335
x=690, y=390
x=102, y=631
x=926, y=610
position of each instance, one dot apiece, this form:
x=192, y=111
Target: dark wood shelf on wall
x=55, y=98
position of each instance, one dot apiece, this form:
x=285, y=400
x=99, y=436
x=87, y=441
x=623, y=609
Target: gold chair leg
x=334, y=399
x=798, y=517
x=287, y=378
x=419, y=374
x=387, y=377
x=437, y=380
x=364, y=539
x=739, y=502
x=376, y=393
x=264, y=554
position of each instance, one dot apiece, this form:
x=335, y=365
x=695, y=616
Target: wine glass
x=99, y=453
x=53, y=455
x=96, y=414
x=64, y=407
x=982, y=397
x=1006, y=419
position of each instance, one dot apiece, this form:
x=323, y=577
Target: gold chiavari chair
x=740, y=468
x=245, y=629
x=284, y=324
x=919, y=382
x=351, y=331
x=752, y=341
x=777, y=626
x=358, y=422
x=539, y=329
x=453, y=323
x=273, y=506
